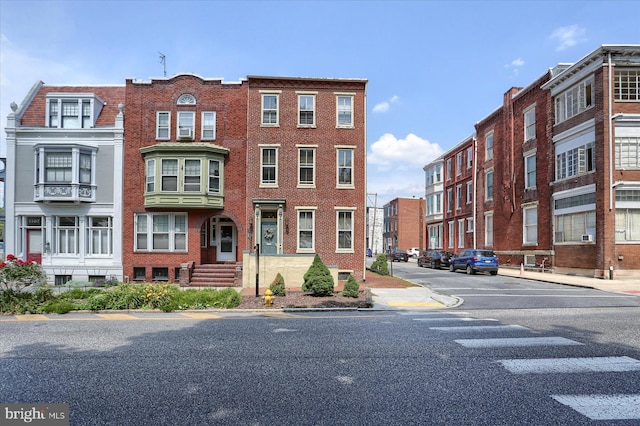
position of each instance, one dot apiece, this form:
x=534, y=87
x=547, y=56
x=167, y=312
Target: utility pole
x=375, y=211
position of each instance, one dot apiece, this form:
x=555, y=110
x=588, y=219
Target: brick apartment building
x=558, y=170
x=404, y=225
x=459, y=202
x=190, y=180
x=513, y=175
x=63, y=191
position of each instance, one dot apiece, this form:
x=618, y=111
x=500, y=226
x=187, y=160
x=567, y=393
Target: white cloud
x=385, y=105
x=568, y=36
x=515, y=65
x=394, y=166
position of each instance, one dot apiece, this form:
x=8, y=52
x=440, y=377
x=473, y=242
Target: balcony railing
x=65, y=192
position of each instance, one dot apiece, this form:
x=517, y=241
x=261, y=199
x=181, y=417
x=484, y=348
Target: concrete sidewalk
x=411, y=298
x=625, y=286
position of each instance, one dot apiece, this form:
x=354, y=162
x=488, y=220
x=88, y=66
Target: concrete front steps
x=214, y=275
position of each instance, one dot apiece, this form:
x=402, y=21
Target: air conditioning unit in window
x=587, y=238
x=185, y=133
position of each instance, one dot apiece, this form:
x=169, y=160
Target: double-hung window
x=65, y=174
x=530, y=171
x=458, y=197
x=488, y=229
x=306, y=110
x=151, y=176
x=459, y=164
x=449, y=199
x=449, y=169
x=66, y=230
x=345, y=167
x=489, y=185
x=270, y=109
x=488, y=153
x=186, y=124
x=169, y=175
x=306, y=166
x=530, y=123
x=306, y=228
x=161, y=232
x=530, y=222
x=192, y=175
x=163, y=125
x=345, y=230
x=269, y=166
x=469, y=157
x=469, y=192
x=99, y=235
x=214, y=176
x=208, y=131
x=344, y=110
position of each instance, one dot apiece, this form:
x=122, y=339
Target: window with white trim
x=530, y=171
x=459, y=164
x=151, y=176
x=214, y=176
x=626, y=84
x=99, y=235
x=72, y=111
x=192, y=175
x=344, y=111
x=270, y=114
x=469, y=157
x=488, y=229
x=165, y=232
x=530, y=223
x=169, y=175
x=576, y=161
x=66, y=230
x=458, y=197
x=345, y=167
x=65, y=173
x=345, y=230
x=306, y=230
x=449, y=169
x=488, y=149
x=627, y=225
x=530, y=123
x=451, y=226
x=208, y=131
x=186, y=124
x=306, y=110
x=470, y=223
x=469, y=192
x=449, y=200
x=163, y=125
x=460, y=233
x=627, y=152
x=489, y=185
x=574, y=101
x=306, y=166
x=269, y=166
x=572, y=227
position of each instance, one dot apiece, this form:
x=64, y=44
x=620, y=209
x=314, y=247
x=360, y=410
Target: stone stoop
x=214, y=275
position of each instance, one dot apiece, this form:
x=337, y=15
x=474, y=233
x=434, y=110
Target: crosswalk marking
x=516, y=341
x=571, y=365
x=603, y=407
x=480, y=328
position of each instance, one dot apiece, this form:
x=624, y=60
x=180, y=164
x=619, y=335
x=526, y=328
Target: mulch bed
x=296, y=298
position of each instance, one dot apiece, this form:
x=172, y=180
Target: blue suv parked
x=474, y=261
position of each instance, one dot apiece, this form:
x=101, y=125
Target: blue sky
x=434, y=67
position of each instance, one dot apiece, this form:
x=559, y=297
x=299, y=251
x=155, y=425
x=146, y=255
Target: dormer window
x=73, y=110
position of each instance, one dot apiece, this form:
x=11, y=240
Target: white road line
x=453, y=319
x=481, y=328
x=516, y=342
x=603, y=407
x=571, y=365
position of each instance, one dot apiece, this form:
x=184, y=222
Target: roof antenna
x=163, y=61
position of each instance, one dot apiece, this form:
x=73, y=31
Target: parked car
x=413, y=252
x=435, y=259
x=474, y=261
x=397, y=256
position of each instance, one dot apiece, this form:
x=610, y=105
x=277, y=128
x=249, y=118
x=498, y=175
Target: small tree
x=16, y=274
x=351, y=287
x=380, y=265
x=318, y=279
x=277, y=286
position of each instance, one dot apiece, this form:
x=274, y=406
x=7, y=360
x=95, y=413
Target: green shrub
x=206, y=298
x=58, y=306
x=318, y=280
x=277, y=286
x=380, y=265
x=351, y=287
x=159, y=296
